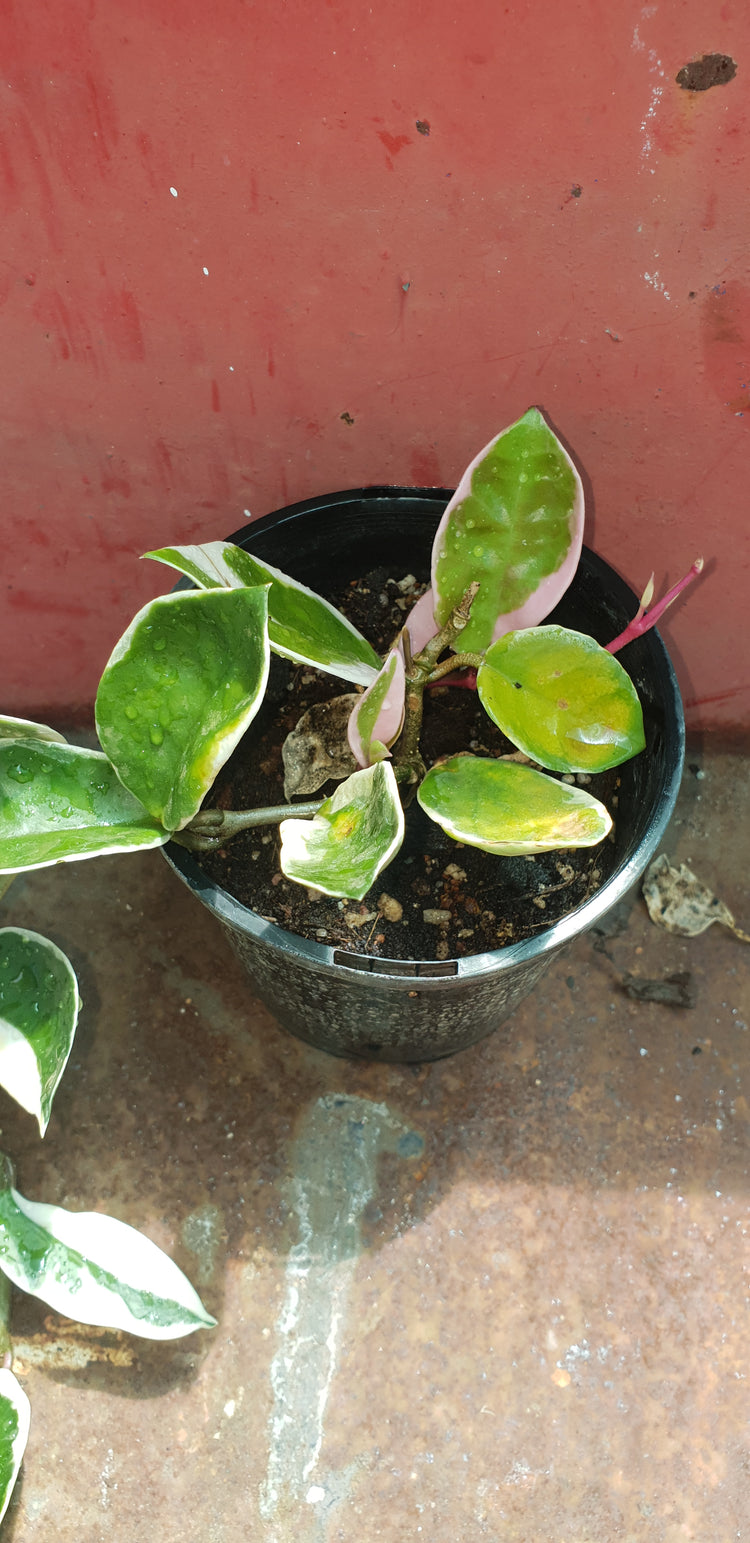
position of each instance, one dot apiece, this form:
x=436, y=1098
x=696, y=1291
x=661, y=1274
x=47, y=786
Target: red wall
x=572, y=232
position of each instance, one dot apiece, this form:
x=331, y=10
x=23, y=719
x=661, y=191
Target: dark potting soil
x=438, y=899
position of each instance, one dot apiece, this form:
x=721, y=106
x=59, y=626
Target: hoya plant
x=185, y=682
x=86, y=1265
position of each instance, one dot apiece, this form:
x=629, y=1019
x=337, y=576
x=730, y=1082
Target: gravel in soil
x=438, y=899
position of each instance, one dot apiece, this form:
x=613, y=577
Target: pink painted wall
x=225, y=235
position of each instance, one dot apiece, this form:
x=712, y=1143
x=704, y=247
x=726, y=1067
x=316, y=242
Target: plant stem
x=212, y=827
x=456, y=662
x=455, y=624
x=645, y=619
x=408, y=766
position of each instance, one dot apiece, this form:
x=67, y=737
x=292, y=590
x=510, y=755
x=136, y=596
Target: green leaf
x=15, y=1416
x=515, y=523
x=355, y=833
x=39, y=1005
x=59, y=803
x=563, y=700
x=378, y=715
x=24, y=728
x=301, y=625
x=178, y=693
x=96, y=1270
x=510, y=809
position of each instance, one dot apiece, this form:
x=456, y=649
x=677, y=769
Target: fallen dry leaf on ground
x=678, y=901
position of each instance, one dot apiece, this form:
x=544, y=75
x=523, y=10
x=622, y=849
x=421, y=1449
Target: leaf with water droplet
x=15, y=1415
x=59, y=803
x=301, y=625
x=529, y=523
x=39, y=1005
x=189, y=721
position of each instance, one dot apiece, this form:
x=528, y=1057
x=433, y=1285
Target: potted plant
x=188, y=678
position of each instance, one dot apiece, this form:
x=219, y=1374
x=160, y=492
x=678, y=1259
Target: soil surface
x=438, y=899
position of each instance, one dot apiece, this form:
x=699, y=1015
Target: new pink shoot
x=645, y=619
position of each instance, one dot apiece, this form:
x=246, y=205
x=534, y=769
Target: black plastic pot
x=394, y=1010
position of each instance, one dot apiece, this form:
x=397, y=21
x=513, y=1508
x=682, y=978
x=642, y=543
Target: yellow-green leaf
x=508, y=809
x=563, y=700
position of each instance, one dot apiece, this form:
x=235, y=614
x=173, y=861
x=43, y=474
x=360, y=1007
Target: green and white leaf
x=515, y=524
x=179, y=691
x=96, y=1269
x=353, y=836
x=59, y=803
x=39, y=1006
x=509, y=809
x=301, y=625
x=15, y=1417
x=25, y=728
x=563, y=700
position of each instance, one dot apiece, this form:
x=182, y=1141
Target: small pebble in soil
x=391, y=909
x=436, y=918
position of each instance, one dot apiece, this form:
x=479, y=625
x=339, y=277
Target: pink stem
x=644, y=620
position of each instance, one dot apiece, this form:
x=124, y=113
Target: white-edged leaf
x=353, y=836
x=301, y=625
x=39, y=1006
x=96, y=1269
x=15, y=1418
x=59, y=803
x=378, y=715
x=180, y=689
x=25, y=728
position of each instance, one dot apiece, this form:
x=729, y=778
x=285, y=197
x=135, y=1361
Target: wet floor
x=501, y=1297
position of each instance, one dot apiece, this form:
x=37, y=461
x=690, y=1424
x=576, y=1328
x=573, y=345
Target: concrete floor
x=502, y=1297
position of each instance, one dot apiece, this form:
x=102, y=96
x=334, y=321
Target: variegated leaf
x=15, y=1417
x=179, y=691
x=515, y=524
x=25, y=728
x=378, y=715
x=96, y=1270
x=59, y=803
x=39, y=1005
x=563, y=700
x=509, y=809
x=355, y=833
x=301, y=625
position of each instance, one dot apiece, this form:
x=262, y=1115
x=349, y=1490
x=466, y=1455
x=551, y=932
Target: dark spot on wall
x=702, y=74
x=576, y=190
x=347, y=418
x=423, y=126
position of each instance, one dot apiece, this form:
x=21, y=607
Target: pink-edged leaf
x=420, y=623
x=515, y=523
x=378, y=716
